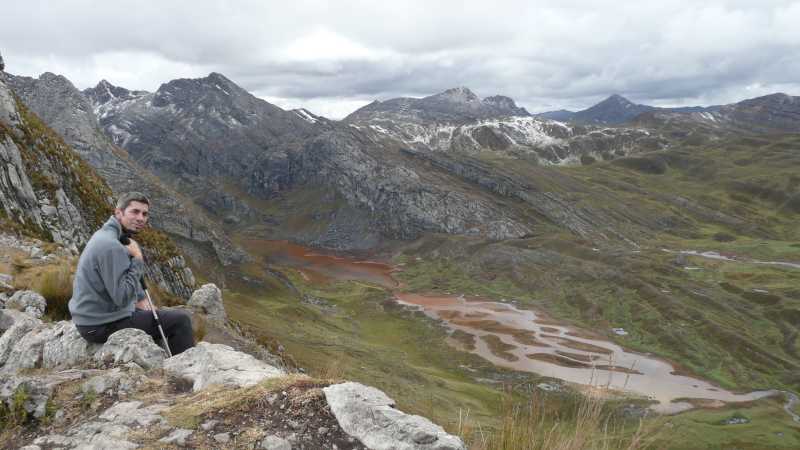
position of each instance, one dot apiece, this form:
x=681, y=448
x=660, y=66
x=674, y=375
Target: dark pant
x=177, y=327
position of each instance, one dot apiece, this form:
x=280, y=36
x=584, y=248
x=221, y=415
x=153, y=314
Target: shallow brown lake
x=317, y=266
x=516, y=338
x=519, y=339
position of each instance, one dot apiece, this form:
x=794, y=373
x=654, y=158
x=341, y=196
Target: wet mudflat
x=516, y=338
x=522, y=340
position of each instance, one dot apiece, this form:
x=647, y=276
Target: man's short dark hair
x=125, y=199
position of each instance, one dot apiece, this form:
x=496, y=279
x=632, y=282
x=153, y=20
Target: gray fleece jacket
x=106, y=285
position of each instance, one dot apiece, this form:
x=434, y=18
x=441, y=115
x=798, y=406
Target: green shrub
x=724, y=237
x=645, y=164
x=13, y=412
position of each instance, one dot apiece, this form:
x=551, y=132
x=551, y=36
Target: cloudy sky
x=335, y=56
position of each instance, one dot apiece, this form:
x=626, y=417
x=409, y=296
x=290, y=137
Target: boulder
x=29, y=302
x=131, y=345
x=208, y=364
x=369, y=415
x=48, y=346
x=208, y=299
x=66, y=347
x=27, y=351
x=18, y=326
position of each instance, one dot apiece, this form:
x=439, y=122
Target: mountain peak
x=218, y=77
x=618, y=99
x=458, y=94
x=506, y=104
x=105, y=84
x=613, y=110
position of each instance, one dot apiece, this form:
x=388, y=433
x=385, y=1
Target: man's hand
x=134, y=250
x=143, y=304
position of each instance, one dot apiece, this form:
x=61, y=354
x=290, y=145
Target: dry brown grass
x=163, y=298
x=199, y=327
x=537, y=425
x=55, y=285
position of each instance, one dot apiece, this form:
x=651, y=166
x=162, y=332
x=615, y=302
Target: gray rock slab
x=117, y=379
x=369, y=415
x=131, y=345
x=178, y=437
x=38, y=388
x=208, y=364
x=131, y=413
x=275, y=443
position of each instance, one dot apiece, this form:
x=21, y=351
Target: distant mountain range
x=396, y=168
x=774, y=112
x=614, y=110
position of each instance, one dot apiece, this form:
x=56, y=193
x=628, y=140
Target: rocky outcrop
x=404, y=202
x=207, y=364
x=101, y=396
x=208, y=300
x=369, y=415
x=43, y=187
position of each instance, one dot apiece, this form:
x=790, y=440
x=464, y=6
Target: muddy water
x=320, y=267
x=514, y=338
x=521, y=340
x=733, y=258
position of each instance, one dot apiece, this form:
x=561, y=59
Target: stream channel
x=522, y=339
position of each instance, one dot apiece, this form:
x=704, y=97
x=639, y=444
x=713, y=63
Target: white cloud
x=334, y=54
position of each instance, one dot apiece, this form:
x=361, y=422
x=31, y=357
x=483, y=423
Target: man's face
x=134, y=217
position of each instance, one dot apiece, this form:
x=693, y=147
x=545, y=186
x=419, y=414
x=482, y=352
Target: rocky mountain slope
x=194, y=131
x=70, y=113
x=47, y=190
x=456, y=121
x=774, y=113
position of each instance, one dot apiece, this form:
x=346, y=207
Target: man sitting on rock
x=107, y=293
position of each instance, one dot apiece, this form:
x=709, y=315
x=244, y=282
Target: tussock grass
x=540, y=423
x=189, y=410
x=199, y=328
x=55, y=285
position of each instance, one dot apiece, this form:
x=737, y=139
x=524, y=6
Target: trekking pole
x=125, y=240
x=158, y=322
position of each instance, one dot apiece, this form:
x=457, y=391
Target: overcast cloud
x=333, y=57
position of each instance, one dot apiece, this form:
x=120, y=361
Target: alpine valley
x=459, y=253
